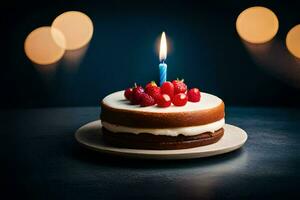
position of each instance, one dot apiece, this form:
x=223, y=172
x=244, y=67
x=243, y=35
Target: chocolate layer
x=150, y=141
x=141, y=119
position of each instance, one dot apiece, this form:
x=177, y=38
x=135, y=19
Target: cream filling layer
x=186, y=131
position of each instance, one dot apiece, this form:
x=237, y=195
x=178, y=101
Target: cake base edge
x=160, y=142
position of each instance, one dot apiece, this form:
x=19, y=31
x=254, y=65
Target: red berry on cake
x=180, y=99
x=150, y=85
x=136, y=94
x=154, y=92
x=146, y=100
x=194, y=95
x=164, y=101
x=167, y=88
x=128, y=93
x=179, y=86
x=152, y=89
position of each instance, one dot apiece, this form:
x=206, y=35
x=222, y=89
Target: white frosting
x=186, y=131
x=117, y=100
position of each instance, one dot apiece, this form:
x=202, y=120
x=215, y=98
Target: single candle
x=162, y=73
x=162, y=58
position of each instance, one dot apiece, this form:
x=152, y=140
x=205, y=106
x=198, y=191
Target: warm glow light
x=76, y=27
x=257, y=25
x=41, y=48
x=163, y=47
x=293, y=41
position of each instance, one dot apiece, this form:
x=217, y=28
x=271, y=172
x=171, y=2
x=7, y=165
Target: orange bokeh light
x=76, y=27
x=41, y=48
x=293, y=41
x=257, y=25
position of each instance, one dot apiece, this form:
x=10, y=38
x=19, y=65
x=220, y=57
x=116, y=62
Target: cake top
x=117, y=100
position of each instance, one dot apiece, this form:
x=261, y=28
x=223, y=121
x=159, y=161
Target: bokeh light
x=257, y=25
x=41, y=48
x=76, y=27
x=293, y=41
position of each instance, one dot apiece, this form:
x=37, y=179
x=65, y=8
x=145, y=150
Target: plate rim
x=157, y=154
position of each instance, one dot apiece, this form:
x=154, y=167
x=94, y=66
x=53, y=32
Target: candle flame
x=163, y=47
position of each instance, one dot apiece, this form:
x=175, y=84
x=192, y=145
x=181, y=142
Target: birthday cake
x=166, y=117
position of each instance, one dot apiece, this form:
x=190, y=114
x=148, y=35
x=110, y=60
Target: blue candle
x=162, y=58
x=162, y=73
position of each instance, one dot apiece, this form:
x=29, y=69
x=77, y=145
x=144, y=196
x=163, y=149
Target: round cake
x=175, y=127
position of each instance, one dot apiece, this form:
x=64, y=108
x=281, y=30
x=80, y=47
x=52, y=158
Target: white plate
x=90, y=136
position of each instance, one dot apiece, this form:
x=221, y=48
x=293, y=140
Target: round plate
x=90, y=136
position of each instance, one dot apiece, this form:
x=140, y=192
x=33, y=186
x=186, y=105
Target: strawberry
x=136, y=94
x=146, y=100
x=167, y=88
x=179, y=86
x=154, y=92
x=194, y=95
x=164, y=101
x=180, y=99
x=128, y=93
x=150, y=85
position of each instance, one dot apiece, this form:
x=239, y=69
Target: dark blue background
x=205, y=50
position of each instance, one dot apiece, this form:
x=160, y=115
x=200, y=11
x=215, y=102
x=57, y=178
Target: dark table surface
x=42, y=160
